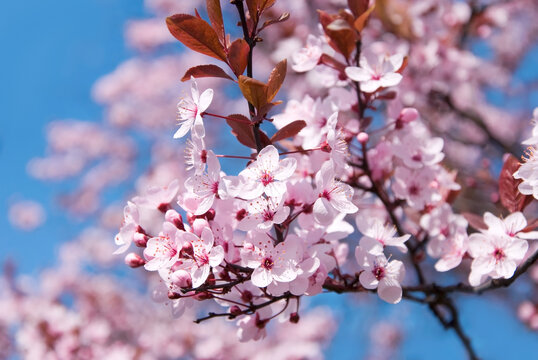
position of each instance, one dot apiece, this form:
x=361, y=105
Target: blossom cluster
x=258, y=240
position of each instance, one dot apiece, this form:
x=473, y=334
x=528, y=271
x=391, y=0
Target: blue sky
x=52, y=52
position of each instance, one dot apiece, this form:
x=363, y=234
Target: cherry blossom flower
x=452, y=251
x=195, y=155
x=128, y=228
x=205, y=256
x=267, y=175
x=207, y=186
x=333, y=196
x=262, y=213
x=528, y=172
x=190, y=111
x=510, y=226
x=376, y=71
x=418, y=152
x=415, y=186
x=163, y=251
x=381, y=274
x=377, y=236
x=269, y=262
x=308, y=57
x=495, y=255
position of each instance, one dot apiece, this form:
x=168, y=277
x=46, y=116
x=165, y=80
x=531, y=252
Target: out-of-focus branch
x=475, y=119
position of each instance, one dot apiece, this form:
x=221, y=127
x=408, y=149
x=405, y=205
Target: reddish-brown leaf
x=201, y=71
x=289, y=130
x=531, y=226
x=342, y=37
x=215, y=17
x=238, y=56
x=196, y=34
x=241, y=130
x=276, y=79
x=332, y=62
x=476, y=221
x=253, y=90
x=510, y=196
x=265, y=139
x=360, y=23
x=285, y=16
x=357, y=7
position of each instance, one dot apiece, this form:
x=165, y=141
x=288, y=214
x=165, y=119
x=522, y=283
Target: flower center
x=268, y=263
x=268, y=215
x=266, y=178
x=215, y=187
x=379, y=272
x=498, y=254
x=414, y=190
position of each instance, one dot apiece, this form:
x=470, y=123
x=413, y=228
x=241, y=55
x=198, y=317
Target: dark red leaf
x=475, y=221
x=531, y=226
x=276, y=79
x=285, y=16
x=196, y=34
x=241, y=130
x=215, y=17
x=357, y=7
x=201, y=71
x=509, y=193
x=238, y=56
x=289, y=130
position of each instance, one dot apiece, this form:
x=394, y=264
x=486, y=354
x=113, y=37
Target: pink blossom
x=262, y=213
x=333, y=196
x=415, y=186
x=495, y=255
x=376, y=71
x=381, y=274
x=205, y=255
x=377, y=236
x=308, y=57
x=190, y=111
x=267, y=175
x=269, y=262
x=163, y=251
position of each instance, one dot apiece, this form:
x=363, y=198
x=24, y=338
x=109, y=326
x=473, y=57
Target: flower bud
x=198, y=225
x=363, y=137
x=140, y=240
x=134, y=260
x=175, y=218
x=235, y=310
x=186, y=250
x=294, y=318
x=173, y=295
x=408, y=115
x=181, y=278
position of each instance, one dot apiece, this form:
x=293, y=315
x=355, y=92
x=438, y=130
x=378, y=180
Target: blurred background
x=81, y=101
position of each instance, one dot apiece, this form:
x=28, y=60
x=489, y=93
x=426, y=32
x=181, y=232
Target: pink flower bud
x=198, y=225
x=140, y=240
x=186, y=250
x=294, y=318
x=173, y=295
x=235, y=310
x=134, y=260
x=408, y=115
x=175, y=218
x=181, y=278
x=363, y=137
